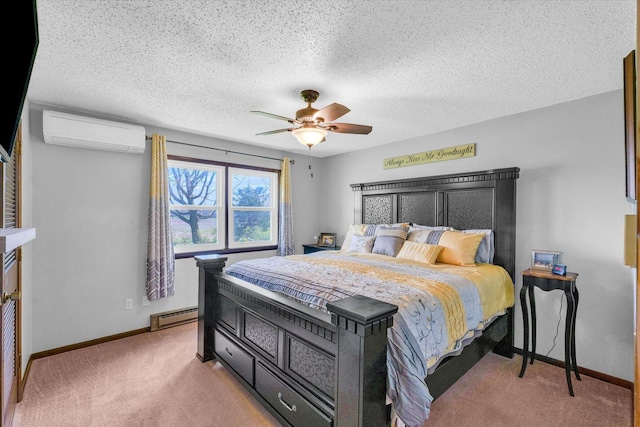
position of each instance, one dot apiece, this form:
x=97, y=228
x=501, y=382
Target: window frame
x=225, y=208
x=218, y=206
x=272, y=209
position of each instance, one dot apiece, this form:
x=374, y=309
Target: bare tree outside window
x=196, y=190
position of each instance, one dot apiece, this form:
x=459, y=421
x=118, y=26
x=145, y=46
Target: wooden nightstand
x=548, y=282
x=310, y=248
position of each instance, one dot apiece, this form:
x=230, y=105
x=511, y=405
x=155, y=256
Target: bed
x=331, y=360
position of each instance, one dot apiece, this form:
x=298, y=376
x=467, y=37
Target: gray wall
x=570, y=198
x=90, y=207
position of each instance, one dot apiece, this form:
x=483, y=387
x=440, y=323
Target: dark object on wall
x=630, y=123
x=19, y=56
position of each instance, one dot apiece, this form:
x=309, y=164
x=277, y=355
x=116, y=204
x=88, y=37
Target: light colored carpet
x=492, y=394
x=155, y=380
x=152, y=379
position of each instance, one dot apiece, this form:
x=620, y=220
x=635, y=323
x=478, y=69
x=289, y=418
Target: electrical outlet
x=128, y=304
x=145, y=301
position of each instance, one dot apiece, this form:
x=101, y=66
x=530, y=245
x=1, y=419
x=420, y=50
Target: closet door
x=10, y=369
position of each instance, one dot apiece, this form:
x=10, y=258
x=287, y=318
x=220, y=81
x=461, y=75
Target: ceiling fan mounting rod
x=309, y=96
x=306, y=114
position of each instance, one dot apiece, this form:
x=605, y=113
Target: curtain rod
x=148, y=138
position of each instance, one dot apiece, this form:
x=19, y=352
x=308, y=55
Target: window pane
x=194, y=227
x=192, y=187
x=251, y=190
x=251, y=226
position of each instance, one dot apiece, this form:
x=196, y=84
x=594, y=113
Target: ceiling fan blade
x=348, y=128
x=275, y=131
x=274, y=116
x=331, y=112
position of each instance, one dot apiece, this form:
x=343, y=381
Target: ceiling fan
x=314, y=124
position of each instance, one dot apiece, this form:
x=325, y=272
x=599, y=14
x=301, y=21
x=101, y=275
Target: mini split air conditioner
x=86, y=132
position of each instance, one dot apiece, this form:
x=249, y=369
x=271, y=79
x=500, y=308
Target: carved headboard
x=472, y=200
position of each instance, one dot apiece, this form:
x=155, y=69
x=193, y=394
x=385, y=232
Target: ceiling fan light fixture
x=309, y=135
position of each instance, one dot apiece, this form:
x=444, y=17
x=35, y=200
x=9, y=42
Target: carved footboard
x=306, y=367
x=309, y=368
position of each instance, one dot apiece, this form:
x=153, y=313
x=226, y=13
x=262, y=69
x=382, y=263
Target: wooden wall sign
x=450, y=153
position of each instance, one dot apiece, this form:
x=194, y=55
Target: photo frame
x=545, y=260
x=327, y=240
x=630, y=124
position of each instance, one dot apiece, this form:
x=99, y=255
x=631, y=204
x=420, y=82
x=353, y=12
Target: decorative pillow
x=359, y=230
x=418, y=235
x=361, y=243
x=402, y=225
x=459, y=248
x=434, y=236
x=366, y=230
x=389, y=240
x=420, y=252
x=486, y=250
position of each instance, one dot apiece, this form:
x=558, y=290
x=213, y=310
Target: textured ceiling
x=407, y=68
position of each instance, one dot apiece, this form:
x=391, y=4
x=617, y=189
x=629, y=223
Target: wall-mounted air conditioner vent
x=86, y=132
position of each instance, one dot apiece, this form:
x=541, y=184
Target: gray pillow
x=389, y=240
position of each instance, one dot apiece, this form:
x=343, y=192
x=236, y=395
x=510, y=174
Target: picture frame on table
x=543, y=260
x=327, y=240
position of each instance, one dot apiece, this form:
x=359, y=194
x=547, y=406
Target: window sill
x=225, y=251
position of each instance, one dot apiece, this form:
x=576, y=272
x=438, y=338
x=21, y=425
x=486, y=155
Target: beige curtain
x=286, y=245
x=160, y=259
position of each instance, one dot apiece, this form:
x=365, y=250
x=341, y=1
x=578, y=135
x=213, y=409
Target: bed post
x=361, y=381
x=208, y=265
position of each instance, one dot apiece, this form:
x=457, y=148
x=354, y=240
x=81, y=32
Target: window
x=253, y=210
x=221, y=207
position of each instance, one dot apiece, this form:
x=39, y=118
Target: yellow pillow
x=459, y=248
x=420, y=252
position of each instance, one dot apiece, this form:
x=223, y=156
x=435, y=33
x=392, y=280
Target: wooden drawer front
x=291, y=405
x=228, y=313
x=237, y=358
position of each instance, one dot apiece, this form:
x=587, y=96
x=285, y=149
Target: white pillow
x=357, y=229
x=361, y=243
x=419, y=235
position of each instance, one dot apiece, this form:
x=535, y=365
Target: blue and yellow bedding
x=440, y=306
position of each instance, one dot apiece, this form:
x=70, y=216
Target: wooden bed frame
x=310, y=368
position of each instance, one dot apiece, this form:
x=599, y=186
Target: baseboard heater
x=173, y=318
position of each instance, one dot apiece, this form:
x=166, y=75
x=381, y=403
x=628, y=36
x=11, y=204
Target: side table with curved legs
x=548, y=282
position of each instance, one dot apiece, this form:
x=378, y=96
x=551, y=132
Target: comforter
x=440, y=307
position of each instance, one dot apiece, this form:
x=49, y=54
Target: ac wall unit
x=86, y=132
